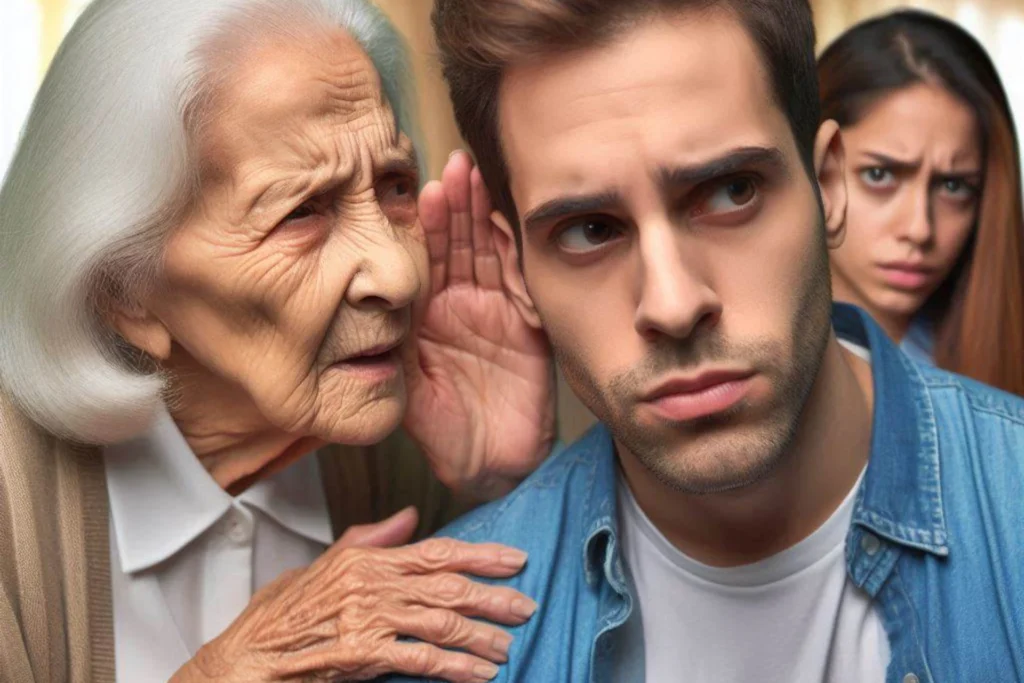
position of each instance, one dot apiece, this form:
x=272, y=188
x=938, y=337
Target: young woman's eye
x=956, y=188
x=878, y=176
x=587, y=235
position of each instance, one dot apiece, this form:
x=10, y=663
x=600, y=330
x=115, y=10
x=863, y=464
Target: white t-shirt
x=790, y=618
x=186, y=557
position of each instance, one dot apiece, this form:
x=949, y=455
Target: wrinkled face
x=296, y=275
x=673, y=245
x=914, y=169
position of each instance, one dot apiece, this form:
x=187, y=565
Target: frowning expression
x=296, y=274
x=673, y=246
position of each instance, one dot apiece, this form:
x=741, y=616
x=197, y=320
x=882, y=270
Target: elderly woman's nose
x=388, y=276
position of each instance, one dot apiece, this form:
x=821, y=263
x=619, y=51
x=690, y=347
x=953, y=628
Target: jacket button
x=870, y=544
x=911, y=678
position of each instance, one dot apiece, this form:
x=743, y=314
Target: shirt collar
x=162, y=498
x=901, y=491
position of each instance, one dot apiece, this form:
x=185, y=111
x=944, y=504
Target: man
x=775, y=493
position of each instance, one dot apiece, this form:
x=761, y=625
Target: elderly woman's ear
x=142, y=329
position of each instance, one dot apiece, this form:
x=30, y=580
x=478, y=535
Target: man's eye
x=878, y=176
x=587, y=235
x=729, y=197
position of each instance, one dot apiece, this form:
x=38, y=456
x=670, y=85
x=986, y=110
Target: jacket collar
x=901, y=497
x=901, y=492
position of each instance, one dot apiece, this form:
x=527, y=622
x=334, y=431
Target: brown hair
x=480, y=39
x=978, y=312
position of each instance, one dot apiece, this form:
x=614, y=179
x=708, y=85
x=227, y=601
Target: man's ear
x=140, y=328
x=830, y=166
x=511, y=273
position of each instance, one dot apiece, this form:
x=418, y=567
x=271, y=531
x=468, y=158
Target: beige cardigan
x=56, y=617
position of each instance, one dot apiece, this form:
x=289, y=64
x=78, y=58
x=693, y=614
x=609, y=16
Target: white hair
x=104, y=169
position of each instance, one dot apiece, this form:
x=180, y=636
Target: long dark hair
x=978, y=312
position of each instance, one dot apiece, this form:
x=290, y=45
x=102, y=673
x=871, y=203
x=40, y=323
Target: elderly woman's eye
x=396, y=195
x=303, y=211
x=396, y=188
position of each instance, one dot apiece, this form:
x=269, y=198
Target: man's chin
x=722, y=454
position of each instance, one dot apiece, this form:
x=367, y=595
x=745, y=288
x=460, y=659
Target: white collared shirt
x=186, y=557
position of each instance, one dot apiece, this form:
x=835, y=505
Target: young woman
x=935, y=232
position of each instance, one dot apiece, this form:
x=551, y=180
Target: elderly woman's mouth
x=376, y=364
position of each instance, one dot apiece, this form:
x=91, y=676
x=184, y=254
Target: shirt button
x=911, y=678
x=238, y=529
x=870, y=544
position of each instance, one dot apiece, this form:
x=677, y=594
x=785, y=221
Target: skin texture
x=303, y=252
x=482, y=398
x=640, y=272
x=339, y=619
x=914, y=170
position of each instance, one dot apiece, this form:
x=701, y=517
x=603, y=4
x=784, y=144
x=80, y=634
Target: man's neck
x=824, y=461
x=232, y=439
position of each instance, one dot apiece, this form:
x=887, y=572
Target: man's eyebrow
x=734, y=161
x=567, y=206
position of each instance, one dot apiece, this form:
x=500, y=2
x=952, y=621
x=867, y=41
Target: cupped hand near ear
x=481, y=390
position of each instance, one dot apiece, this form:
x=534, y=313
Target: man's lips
x=689, y=398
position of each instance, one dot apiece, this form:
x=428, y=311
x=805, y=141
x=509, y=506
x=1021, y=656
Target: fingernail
x=501, y=644
x=485, y=672
x=512, y=558
x=523, y=607
x=454, y=152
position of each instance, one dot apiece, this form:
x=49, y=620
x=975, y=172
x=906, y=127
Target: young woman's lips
x=905, y=277
x=700, y=397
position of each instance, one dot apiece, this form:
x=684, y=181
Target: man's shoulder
x=570, y=479
x=951, y=394
x=979, y=434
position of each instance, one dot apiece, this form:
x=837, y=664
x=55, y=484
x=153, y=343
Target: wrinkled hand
x=341, y=619
x=481, y=391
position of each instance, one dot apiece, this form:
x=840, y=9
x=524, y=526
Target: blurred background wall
x=31, y=30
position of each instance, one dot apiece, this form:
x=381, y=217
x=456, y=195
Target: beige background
x=31, y=30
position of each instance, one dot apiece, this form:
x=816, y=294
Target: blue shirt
x=937, y=537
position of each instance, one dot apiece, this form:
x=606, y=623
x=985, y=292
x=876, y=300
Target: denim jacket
x=937, y=537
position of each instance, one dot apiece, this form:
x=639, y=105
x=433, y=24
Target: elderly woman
x=212, y=266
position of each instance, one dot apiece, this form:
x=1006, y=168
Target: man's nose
x=675, y=297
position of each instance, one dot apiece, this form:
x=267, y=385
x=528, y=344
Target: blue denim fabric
x=937, y=537
x=919, y=341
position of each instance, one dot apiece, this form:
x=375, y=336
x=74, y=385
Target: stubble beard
x=738, y=447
